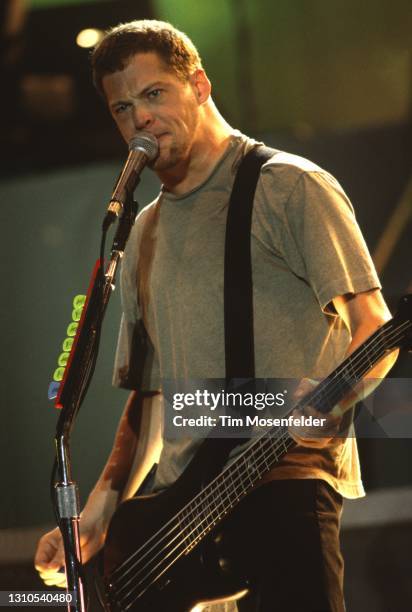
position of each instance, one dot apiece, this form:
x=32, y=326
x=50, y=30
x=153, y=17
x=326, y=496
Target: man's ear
x=201, y=85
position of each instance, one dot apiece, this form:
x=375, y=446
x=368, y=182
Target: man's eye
x=154, y=93
x=120, y=109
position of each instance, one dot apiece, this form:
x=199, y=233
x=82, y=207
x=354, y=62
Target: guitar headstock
x=403, y=321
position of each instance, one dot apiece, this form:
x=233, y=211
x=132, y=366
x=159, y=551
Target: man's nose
x=143, y=118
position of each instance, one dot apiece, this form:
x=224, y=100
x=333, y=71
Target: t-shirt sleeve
x=136, y=365
x=321, y=240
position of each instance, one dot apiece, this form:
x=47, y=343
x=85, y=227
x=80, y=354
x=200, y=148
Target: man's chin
x=158, y=164
x=162, y=162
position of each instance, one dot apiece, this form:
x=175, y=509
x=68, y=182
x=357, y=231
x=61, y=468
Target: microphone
x=142, y=148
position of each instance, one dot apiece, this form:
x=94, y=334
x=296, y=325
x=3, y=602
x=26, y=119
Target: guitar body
x=200, y=575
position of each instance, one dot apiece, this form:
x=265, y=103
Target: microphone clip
x=114, y=210
x=126, y=222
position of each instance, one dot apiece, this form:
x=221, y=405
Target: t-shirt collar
x=235, y=139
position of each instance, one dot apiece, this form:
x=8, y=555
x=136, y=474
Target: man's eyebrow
x=141, y=93
x=149, y=87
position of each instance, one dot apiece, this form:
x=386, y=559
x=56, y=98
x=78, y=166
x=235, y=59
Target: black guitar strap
x=238, y=287
x=238, y=298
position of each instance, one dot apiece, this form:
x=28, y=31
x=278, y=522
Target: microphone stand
x=78, y=374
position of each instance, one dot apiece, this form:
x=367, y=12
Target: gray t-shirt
x=306, y=250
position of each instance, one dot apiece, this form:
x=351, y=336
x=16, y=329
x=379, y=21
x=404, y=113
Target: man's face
x=148, y=96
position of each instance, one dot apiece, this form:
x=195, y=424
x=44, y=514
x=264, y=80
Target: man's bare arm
x=363, y=313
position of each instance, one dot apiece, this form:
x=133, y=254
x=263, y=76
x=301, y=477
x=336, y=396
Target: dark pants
x=284, y=537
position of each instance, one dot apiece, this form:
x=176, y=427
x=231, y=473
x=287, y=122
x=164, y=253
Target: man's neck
x=207, y=150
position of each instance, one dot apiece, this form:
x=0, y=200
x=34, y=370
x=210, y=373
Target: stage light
x=89, y=37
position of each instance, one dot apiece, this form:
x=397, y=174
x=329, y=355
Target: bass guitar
x=162, y=551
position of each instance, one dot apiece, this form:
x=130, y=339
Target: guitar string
x=141, y=591
x=268, y=439
x=136, y=589
x=120, y=567
x=205, y=499
x=178, y=555
x=202, y=501
x=221, y=514
x=233, y=486
x=232, y=489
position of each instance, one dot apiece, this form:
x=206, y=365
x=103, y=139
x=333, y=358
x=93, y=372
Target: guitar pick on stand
x=67, y=345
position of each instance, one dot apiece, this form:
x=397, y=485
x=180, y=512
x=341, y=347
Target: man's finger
x=54, y=578
x=305, y=386
x=49, y=558
x=330, y=419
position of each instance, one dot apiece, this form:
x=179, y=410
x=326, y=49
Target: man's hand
x=141, y=423
x=49, y=557
x=314, y=436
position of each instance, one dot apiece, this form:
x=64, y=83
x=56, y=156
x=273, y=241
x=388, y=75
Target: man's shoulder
x=284, y=168
x=295, y=165
x=285, y=171
x=289, y=181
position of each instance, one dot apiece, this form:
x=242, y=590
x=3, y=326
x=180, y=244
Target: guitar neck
x=353, y=369
x=221, y=495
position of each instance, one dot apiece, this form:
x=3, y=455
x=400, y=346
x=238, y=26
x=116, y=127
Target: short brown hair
x=120, y=43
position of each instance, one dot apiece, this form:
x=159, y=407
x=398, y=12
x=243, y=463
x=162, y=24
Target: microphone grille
x=145, y=142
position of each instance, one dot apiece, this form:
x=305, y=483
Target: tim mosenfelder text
x=248, y=421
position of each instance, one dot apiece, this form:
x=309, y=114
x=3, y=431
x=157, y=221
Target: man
x=316, y=298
